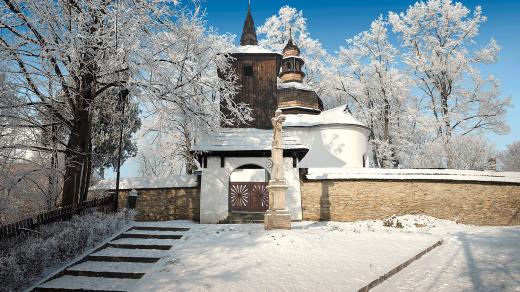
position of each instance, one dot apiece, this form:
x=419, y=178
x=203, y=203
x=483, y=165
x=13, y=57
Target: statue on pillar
x=277, y=217
x=277, y=147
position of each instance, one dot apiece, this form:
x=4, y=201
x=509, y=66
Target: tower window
x=248, y=70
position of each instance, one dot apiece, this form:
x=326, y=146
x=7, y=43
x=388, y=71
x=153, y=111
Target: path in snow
x=482, y=259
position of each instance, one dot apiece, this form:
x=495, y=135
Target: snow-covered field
x=339, y=256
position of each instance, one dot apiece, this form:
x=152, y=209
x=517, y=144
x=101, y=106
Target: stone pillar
x=277, y=217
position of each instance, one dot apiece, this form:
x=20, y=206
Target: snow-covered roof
x=250, y=49
x=297, y=85
x=336, y=115
x=178, y=181
x=412, y=174
x=243, y=139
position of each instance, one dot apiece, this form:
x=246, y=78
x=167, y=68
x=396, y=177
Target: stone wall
x=165, y=204
x=480, y=203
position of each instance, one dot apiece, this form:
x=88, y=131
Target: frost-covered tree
x=438, y=38
x=183, y=92
x=73, y=57
x=164, y=146
x=510, y=158
x=23, y=173
x=275, y=33
x=471, y=152
x=376, y=91
x=106, y=126
x=66, y=59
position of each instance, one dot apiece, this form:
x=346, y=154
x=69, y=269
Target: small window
x=289, y=66
x=248, y=70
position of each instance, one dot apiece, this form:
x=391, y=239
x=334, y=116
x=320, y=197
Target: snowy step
x=154, y=232
x=160, y=228
x=241, y=222
x=110, y=269
x=111, y=254
x=80, y=283
x=143, y=243
x=241, y=218
x=150, y=234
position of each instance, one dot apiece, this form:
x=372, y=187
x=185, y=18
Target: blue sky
x=333, y=21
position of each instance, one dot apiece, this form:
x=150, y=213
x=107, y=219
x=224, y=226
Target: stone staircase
x=241, y=218
x=119, y=264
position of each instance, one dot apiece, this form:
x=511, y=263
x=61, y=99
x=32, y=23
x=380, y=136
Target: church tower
x=257, y=71
x=295, y=97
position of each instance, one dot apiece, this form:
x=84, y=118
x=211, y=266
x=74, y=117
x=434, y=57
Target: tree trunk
x=53, y=180
x=447, y=130
x=78, y=154
x=386, y=161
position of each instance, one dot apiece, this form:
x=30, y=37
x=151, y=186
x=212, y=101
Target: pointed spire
x=249, y=32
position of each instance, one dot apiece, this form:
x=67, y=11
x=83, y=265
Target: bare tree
x=510, y=158
x=183, y=92
x=65, y=58
x=438, y=37
x=71, y=57
x=378, y=92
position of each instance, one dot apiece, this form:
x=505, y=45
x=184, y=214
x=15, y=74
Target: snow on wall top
x=251, y=49
x=296, y=85
x=243, y=139
x=178, y=181
x=412, y=174
x=336, y=115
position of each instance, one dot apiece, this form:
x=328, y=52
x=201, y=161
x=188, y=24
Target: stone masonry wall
x=165, y=204
x=480, y=203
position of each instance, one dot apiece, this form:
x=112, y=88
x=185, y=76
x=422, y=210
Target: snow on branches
x=377, y=91
x=412, y=78
x=75, y=63
x=438, y=39
x=276, y=31
x=510, y=158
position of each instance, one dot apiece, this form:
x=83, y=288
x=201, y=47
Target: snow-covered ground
x=470, y=259
x=339, y=256
x=316, y=256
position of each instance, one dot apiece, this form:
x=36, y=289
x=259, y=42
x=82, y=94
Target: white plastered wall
x=215, y=187
x=249, y=175
x=332, y=146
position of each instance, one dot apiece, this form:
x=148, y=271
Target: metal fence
x=104, y=204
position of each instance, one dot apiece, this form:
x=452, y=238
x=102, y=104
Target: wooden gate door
x=248, y=197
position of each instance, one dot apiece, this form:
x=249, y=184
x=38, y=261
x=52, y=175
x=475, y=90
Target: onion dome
x=291, y=50
x=292, y=63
